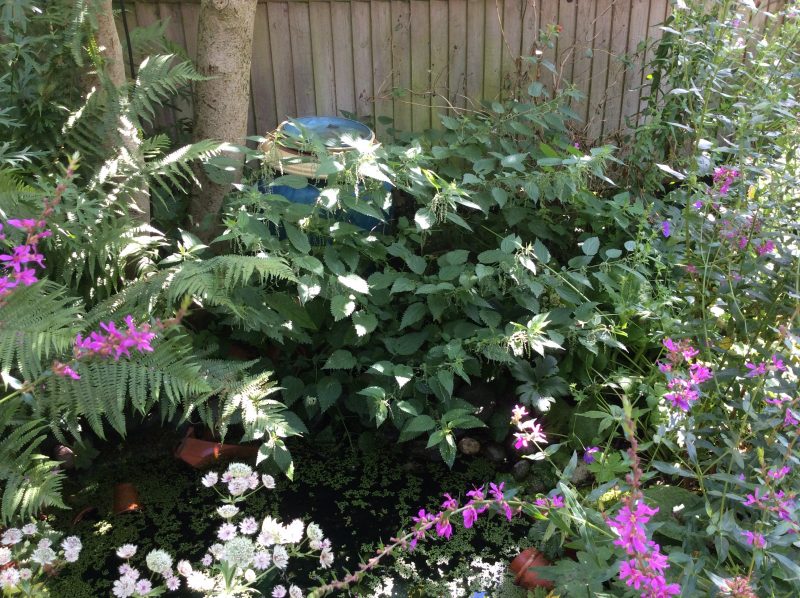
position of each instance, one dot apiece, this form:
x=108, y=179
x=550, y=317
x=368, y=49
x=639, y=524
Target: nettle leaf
x=378, y=409
x=365, y=323
x=328, y=390
x=340, y=359
x=424, y=218
x=297, y=238
x=541, y=252
x=445, y=378
x=413, y=314
x=402, y=285
x=354, y=282
x=342, y=306
x=590, y=246
x=448, y=449
x=416, y=426
x=403, y=374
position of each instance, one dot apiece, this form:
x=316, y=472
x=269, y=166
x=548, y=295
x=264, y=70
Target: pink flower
x=756, y=369
x=227, y=531
x=443, y=527
x=765, y=247
x=755, y=539
x=588, y=455
x=778, y=474
x=116, y=343
x=63, y=370
x=470, y=516
x=26, y=276
x=449, y=503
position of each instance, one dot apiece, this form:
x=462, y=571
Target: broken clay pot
x=202, y=453
x=524, y=576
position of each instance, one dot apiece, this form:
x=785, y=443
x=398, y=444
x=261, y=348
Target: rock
x=65, y=456
x=521, y=470
x=581, y=475
x=494, y=452
x=469, y=446
x=482, y=397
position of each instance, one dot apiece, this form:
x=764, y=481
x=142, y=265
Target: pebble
x=469, y=446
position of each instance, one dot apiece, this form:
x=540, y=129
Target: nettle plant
x=495, y=256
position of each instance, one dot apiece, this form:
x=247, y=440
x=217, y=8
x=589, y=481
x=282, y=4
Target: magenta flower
x=23, y=254
x=756, y=369
x=665, y=228
x=470, y=516
x=443, y=527
x=778, y=474
x=26, y=277
x=27, y=224
x=64, y=371
x=449, y=503
x=765, y=247
x=588, y=455
x=755, y=539
x=116, y=343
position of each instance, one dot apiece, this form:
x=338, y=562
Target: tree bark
x=224, y=53
x=114, y=67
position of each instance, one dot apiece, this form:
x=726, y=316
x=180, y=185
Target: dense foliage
x=639, y=304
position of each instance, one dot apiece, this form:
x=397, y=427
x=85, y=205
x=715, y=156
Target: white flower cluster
x=131, y=582
x=23, y=558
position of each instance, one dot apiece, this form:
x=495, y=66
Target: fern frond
x=156, y=80
x=37, y=323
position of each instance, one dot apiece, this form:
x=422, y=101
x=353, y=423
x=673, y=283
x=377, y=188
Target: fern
x=30, y=480
x=37, y=323
x=156, y=80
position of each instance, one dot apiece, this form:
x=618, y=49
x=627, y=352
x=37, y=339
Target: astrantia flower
x=197, y=580
x=293, y=533
x=325, y=559
x=262, y=560
x=237, y=470
x=314, y=532
x=11, y=536
x=29, y=529
x=5, y=555
x=226, y=532
x=126, y=551
x=43, y=555
x=124, y=587
x=280, y=557
x=278, y=592
x=227, y=511
x=9, y=578
x=248, y=526
x=239, y=552
x=143, y=587
x=295, y=592
x=173, y=583
x=210, y=479
x=268, y=481
x=158, y=561
x=184, y=567
x=71, y=543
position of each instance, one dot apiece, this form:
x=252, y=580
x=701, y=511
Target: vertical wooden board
x=190, y=15
x=597, y=84
x=146, y=14
x=440, y=54
x=512, y=42
x=457, y=58
x=548, y=17
x=343, y=57
x=637, y=33
x=251, y=122
x=321, y=38
x=659, y=10
x=616, y=66
x=262, y=79
x=582, y=61
x=420, y=36
x=401, y=63
x=565, y=57
x=381, y=15
x=362, y=58
x=530, y=34
x=171, y=14
x=281, y=54
x=302, y=62
x=493, y=50
x=475, y=41
x=130, y=17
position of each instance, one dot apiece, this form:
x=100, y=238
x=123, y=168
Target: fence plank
x=582, y=65
x=321, y=38
x=659, y=10
x=440, y=46
x=343, y=57
x=190, y=15
x=420, y=36
x=401, y=63
x=512, y=41
x=493, y=49
x=382, y=61
x=302, y=61
x=616, y=67
x=282, y=69
x=548, y=18
x=530, y=35
x=362, y=58
x=567, y=15
x=637, y=32
x=597, y=91
x=262, y=79
x=457, y=64
x=476, y=16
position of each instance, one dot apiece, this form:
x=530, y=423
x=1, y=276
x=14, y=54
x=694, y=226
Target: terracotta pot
x=202, y=453
x=126, y=499
x=524, y=576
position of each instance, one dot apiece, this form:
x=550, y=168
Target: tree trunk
x=224, y=53
x=114, y=68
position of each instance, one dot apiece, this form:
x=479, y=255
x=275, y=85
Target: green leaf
x=590, y=246
x=541, y=252
x=364, y=322
x=445, y=378
x=403, y=375
x=435, y=438
x=402, y=285
x=416, y=426
x=424, y=218
x=377, y=404
x=410, y=343
x=515, y=161
x=416, y=264
x=340, y=360
x=354, y=282
x=535, y=89
x=297, y=238
x=342, y=306
x=448, y=449
x=413, y=314
x=328, y=390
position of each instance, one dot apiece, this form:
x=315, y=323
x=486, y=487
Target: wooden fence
x=409, y=59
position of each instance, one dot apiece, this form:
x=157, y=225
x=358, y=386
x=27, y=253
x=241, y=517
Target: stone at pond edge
x=469, y=446
x=521, y=470
x=494, y=452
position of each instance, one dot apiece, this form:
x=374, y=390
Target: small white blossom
x=72, y=543
x=227, y=531
x=248, y=526
x=268, y=481
x=45, y=543
x=29, y=529
x=238, y=486
x=72, y=555
x=25, y=574
x=43, y=556
x=5, y=556
x=239, y=470
x=227, y=511
x=184, y=567
x=199, y=581
x=280, y=557
x=326, y=559
x=293, y=533
x=143, y=587
x=126, y=551
x=250, y=576
x=210, y=479
x=239, y=552
x=124, y=587
x=278, y=592
x=9, y=578
x=314, y=532
x=11, y=536
x=295, y=592
x=173, y=583
x=158, y=561
x=215, y=549
x=262, y=560
x=207, y=560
